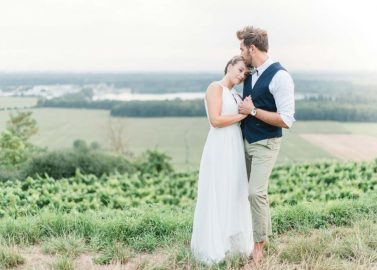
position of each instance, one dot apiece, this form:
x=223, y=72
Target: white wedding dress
x=222, y=221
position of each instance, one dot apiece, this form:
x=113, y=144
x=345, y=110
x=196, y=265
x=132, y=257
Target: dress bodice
x=229, y=103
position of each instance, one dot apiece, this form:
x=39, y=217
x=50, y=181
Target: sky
x=183, y=35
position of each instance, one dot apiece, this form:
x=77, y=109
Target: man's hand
x=246, y=106
x=271, y=118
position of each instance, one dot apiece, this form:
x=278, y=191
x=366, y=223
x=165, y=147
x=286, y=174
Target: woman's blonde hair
x=232, y=62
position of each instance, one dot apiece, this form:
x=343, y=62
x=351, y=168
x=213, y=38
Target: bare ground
x=36, y=259
x=347, y=147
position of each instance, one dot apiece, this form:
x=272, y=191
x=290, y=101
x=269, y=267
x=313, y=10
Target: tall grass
x=149, y=227
x=10, y=257
x=306, y=236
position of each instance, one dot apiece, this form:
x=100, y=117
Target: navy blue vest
x=254, y=129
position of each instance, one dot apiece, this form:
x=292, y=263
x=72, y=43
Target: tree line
x=311, y=109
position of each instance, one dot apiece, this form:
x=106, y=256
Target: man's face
x=245, y=53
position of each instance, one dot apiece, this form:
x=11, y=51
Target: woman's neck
x=227, y=83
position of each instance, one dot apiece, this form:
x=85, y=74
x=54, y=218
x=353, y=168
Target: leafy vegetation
x=158, y=184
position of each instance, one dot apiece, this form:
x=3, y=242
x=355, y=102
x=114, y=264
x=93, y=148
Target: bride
x=222, y=221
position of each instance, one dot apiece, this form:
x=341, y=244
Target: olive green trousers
x=260, y=159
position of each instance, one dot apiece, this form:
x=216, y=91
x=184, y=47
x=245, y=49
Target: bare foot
x=257, y=256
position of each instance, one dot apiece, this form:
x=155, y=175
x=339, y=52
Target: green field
x=182, y=138
x=323, y=214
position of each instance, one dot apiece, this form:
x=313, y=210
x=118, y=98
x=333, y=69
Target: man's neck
x=260, y=59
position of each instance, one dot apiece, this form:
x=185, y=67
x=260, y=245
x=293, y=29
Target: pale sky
x=183, y=35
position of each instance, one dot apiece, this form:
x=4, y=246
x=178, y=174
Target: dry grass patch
x=347, y=147
x=10, y=257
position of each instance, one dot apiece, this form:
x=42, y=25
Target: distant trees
x=15, y=146
x=78, y=103
x=117, y=137
x=313, y=108
x=336, y=111
x=20, y=159
x=14, y=140
x=166, y=108
x=322, y=100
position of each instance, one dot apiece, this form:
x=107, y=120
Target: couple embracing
x=232, y=214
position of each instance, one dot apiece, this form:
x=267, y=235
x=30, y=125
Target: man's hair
x=254, y=36
x=232, y=62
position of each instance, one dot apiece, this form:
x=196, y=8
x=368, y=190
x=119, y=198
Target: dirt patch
x=36, y=259
x=347, y=147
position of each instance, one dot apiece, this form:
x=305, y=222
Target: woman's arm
x=214, y=99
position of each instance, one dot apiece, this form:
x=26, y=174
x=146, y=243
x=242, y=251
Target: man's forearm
x=272, y=118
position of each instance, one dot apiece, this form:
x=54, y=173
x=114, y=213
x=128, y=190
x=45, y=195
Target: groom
x=268, y=94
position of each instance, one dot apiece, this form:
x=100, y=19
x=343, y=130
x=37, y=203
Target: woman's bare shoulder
x=214, y=88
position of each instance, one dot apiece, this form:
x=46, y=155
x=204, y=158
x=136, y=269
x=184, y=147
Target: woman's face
x=237, y=73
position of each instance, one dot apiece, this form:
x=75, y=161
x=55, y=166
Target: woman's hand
x=246, y=106
x=244, y=116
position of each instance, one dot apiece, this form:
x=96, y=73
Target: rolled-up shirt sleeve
x=282, y=88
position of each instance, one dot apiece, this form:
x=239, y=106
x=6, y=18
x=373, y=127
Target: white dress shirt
x=282, y=88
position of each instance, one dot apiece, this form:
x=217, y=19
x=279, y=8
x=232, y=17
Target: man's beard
x=249, y=60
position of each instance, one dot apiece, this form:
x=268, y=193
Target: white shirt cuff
x=287, y=119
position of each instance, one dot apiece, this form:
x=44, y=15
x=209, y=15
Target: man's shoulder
x=279, y=66
x=281, y=79
x=283, y=74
